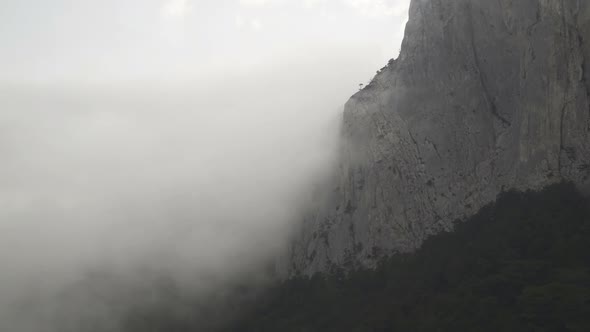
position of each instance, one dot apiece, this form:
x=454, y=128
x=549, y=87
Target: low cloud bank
x=110, y=193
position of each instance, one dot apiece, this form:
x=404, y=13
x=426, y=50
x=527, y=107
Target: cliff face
x=486, y=95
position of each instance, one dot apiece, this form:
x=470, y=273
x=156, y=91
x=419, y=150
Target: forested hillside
x=520, y=264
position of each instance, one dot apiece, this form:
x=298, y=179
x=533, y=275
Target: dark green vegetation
x=521, y=264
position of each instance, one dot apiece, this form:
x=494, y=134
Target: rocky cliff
x=486, y=95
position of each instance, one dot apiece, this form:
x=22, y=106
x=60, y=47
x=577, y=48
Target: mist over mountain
x=112, y=195
x=190, y=166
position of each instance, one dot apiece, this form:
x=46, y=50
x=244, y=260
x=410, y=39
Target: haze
x=181, y=137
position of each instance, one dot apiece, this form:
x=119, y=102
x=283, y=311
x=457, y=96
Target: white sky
x=74, y=40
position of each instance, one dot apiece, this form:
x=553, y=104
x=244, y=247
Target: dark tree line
x=520, y=264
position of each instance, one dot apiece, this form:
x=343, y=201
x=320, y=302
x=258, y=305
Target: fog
x=196, y=181
x=157, y=155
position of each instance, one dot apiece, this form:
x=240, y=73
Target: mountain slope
x=485, y=96
x=521, y=264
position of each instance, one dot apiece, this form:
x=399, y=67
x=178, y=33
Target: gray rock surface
x=486, y=95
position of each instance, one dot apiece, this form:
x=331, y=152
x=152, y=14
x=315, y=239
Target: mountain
x=519, y=264
x=485, y=97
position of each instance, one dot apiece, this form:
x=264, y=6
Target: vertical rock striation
x=486, y=95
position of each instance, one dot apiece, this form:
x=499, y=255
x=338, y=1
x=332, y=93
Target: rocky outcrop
x=486, y=95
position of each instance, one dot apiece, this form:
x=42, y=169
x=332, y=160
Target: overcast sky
x=167, y=39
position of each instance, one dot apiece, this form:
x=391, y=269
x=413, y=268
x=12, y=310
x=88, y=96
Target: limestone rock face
x=486, y=95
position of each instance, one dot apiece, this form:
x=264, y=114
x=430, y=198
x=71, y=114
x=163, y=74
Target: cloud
x=377, y=8
x=313, y=3
x=195, y=182
x=242, y=22
x=176, y=8
x=255, y=3
x=367, y=8
x=256, y=24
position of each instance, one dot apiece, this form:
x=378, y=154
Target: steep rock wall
x=486, y=95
